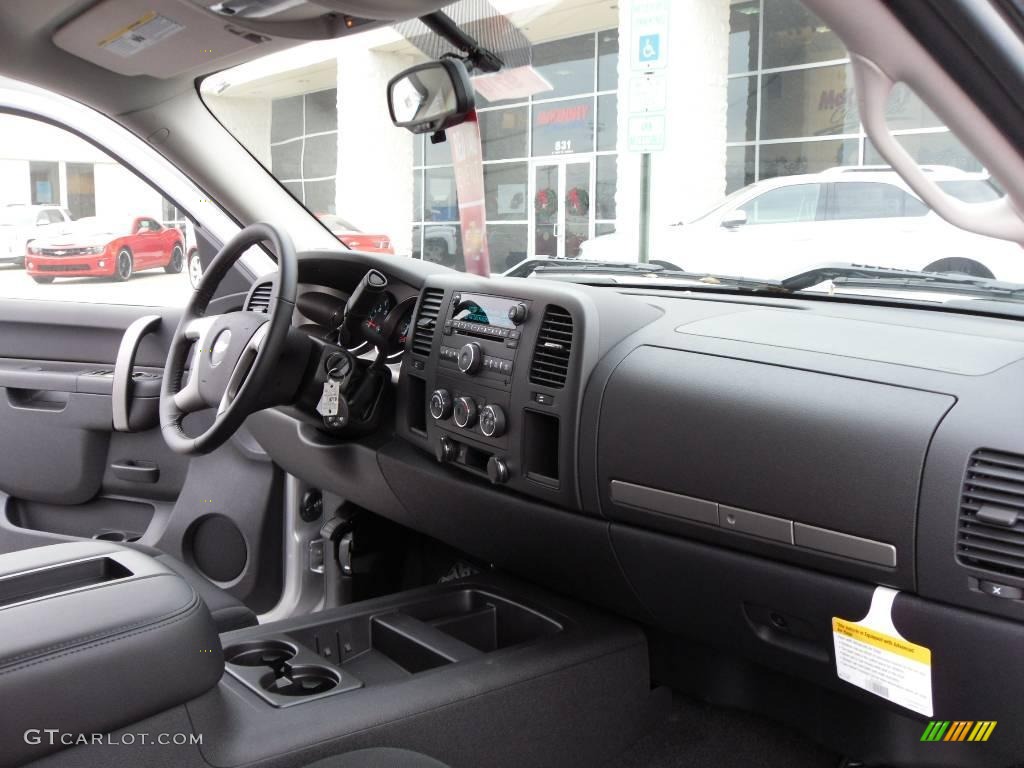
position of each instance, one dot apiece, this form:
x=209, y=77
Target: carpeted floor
x=696, y=735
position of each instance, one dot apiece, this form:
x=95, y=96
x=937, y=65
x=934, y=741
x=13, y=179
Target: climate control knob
x=464, y=412
x=440, y=404
x=492, y=421
x=471, y=358
x=446, y=450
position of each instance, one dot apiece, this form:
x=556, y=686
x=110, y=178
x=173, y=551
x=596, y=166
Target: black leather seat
x=380, y=757
x=227, y=610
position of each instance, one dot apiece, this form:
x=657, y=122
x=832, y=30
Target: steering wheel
x=235, y=353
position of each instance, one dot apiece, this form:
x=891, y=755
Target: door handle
x=122, y=384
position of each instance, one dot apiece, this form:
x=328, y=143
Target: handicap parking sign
x=649, y=48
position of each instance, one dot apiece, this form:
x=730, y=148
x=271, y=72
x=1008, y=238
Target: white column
x=688, y=176
x=375, y=178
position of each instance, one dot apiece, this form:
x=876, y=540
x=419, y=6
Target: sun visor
x=159, y=38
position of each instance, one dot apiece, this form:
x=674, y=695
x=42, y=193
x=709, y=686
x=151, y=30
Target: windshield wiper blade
x=864, y=275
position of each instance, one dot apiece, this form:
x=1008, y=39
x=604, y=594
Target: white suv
x=21, y=224
x=866, y=215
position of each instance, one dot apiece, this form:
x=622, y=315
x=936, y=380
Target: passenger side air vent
x=990, y=531
x=550, y=365
x=259, y=299
x=426, y=321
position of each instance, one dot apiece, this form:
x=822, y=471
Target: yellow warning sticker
x=145, y=31
x=872, y=655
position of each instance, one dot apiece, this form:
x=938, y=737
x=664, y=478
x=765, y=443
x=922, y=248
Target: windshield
x=726, y=142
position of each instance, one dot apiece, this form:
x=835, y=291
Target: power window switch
x=1000, y=590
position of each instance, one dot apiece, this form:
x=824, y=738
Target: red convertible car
x=96, y=249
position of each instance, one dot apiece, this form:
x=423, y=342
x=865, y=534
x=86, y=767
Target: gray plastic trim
x=844, y=545
x=756, y=524
x=667, y=503
x=122, y=385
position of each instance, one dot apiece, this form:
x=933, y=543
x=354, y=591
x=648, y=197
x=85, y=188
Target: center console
x=493, y=374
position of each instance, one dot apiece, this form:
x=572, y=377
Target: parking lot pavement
x=150, y=288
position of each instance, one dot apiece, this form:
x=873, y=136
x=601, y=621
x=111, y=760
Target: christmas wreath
x=577, y=202
x=545, y=203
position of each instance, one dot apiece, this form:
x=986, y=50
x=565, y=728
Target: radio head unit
x=478, y=314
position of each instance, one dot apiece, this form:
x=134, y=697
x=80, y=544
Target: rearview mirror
x=734, y=219
x=431, y=97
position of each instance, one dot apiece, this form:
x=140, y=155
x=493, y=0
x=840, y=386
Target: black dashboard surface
x=735, y=469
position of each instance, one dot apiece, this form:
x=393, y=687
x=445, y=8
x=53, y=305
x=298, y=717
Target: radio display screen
x=485, y=310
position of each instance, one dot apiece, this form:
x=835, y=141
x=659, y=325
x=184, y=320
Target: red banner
x=467, y=158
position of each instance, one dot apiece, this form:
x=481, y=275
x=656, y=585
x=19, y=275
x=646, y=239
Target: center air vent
x=259, y=299
x=550, y=365
x=426, y=321
x=990, y=531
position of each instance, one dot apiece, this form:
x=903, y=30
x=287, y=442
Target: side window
x=94, y=256
x=873, y=200
x=784, y=205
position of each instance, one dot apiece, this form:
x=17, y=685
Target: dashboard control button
x=440, y=404
x=464, y=412
x=1004, y=591
x=492, y=421
x=517, y=313
x=446, y=450
x=497, y=470
x=471, y=358
x=542, y=399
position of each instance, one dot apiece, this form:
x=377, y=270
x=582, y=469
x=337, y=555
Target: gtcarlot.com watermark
x=54, y=737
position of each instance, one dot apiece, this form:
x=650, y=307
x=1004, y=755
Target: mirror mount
x=430, y=97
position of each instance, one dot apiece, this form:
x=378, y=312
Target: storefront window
x=808, y=102
x=744, y=20
x=793, y=35
x=567, y=64
x=905, y=110
x=742, y=111
x=507, y=245
x=740, y=167
x=81, y=190
x=563, y=127
x=606, y=183
x=608, y=60
x=607, y=122
x=439, y=198
x=785, y=90
x=442, y=244
x=304, y=147
x=504, y=133
x=45, y=178
x=938, y=148
x=506, y=190
x=790, y=158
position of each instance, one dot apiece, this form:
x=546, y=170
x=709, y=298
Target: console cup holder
x=260, y=653
x=303, y=680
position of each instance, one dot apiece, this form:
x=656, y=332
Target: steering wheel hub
x=233, y=356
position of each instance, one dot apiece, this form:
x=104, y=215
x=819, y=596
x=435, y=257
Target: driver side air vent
x=550, y=365
x=259, y=299
x=990, y=531
x=426, y=321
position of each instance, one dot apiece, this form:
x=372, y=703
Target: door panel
x=66, y=472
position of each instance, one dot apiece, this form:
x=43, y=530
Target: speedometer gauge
x=375, y=322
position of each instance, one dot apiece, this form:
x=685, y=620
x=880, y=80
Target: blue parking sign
x=649, y=48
